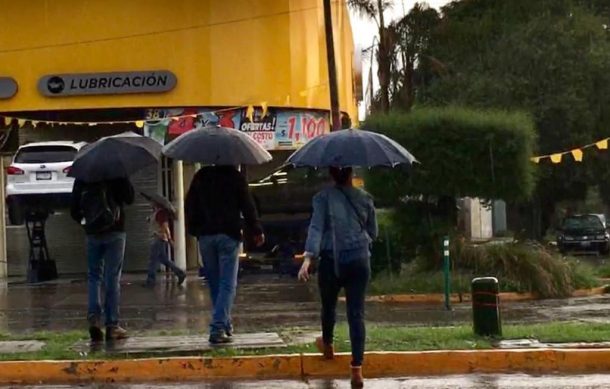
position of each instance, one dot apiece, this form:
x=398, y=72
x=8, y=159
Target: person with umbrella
x=163, y=213
x=343, y=225
x=216, y=200
x=101, y=191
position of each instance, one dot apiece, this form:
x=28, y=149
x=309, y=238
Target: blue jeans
x=220, y=258
x=159, y=254
x=353, y=277
x=105, y=262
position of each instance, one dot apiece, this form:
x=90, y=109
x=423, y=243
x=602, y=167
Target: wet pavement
x=264, y=302
x=507, y=381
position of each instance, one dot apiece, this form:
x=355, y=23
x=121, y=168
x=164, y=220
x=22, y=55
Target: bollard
x=447, y=272
x=486, y=306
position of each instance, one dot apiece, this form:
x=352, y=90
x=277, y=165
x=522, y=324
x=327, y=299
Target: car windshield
x=582, y=223
x=45, y=154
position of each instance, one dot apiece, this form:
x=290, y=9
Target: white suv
x=38, y=179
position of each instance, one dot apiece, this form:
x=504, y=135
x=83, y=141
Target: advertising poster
x=260, y=129
x=277, y=130
x=295, y=128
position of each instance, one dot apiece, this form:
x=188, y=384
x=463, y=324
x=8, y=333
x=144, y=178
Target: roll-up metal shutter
x=65, y=238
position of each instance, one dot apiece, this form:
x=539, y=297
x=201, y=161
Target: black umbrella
x=351, y=148
x=160, y=201
x=117, y=156
x=217, y=146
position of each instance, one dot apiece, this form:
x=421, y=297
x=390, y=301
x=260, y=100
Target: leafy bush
x=463, y=152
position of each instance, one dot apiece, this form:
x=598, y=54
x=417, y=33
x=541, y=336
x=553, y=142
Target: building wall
x=224, y=53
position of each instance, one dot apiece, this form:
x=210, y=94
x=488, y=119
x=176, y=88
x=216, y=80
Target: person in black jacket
x=105, y=250
x=215, y=202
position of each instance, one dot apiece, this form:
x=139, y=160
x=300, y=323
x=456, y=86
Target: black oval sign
x=57, y=85
x=8, y=87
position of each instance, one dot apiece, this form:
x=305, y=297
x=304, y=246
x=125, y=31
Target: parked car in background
x=37, y=178
x=583, y=233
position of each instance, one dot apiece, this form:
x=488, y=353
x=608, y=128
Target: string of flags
x=576, y=153
x=21, y=122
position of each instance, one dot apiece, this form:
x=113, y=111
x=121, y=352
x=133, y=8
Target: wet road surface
x=263, y=302
x=449, y=382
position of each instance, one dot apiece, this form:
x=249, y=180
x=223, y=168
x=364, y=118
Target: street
x=474, y=381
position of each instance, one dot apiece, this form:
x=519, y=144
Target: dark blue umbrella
x=215, y=145
x=351, y=148
x=117, y=156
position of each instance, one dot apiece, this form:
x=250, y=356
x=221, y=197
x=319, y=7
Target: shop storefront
x=80, y=70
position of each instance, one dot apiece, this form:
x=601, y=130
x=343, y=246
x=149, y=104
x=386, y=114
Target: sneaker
x=229, y=330
x=181, y=278
x=220, y=339
x=115, y=333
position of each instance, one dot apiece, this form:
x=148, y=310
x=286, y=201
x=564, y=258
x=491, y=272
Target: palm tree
x=374, y=9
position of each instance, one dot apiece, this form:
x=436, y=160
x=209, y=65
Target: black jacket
x=122, y=192
x=217, y=198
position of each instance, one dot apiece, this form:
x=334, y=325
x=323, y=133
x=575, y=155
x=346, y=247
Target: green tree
x=374, y=10
x=550, y=58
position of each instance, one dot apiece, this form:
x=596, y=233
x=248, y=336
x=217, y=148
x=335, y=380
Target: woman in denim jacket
x=343, y=226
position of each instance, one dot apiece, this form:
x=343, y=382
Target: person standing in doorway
x=342, y=228
x=161, y=245
x=98, y=207
x=216, y=200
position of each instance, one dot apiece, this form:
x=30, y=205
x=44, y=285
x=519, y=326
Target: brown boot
x=115, y=333
x=357, y=379
x=325, y=349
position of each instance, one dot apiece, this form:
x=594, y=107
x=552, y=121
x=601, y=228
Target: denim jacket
x=335, y=226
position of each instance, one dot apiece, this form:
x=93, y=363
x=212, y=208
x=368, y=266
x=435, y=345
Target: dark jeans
x=354, y=277
x=160, y=254
x=220, y=258
x=105, y=262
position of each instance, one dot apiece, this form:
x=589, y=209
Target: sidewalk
x=263, y=302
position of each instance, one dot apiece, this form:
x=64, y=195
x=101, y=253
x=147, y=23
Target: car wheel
x=16, y=214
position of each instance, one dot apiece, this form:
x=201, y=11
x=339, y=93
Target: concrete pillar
x=3, y=254
x=179, y=226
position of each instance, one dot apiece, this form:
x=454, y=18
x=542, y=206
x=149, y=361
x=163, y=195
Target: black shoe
x=96, y=334
x=181, y=278
x=229, y=331
x=220, y=339
x=95, y=329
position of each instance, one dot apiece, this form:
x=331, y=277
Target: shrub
x=526, y=267
x=519, y=267
x=463, y=152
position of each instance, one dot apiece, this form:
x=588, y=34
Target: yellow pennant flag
x=265, y=108
x=577, y=154
x=21, y=122
x=7, y=121
x=535, y=159
x=556, y=158
x=602, y=144
x=140, y=123
x=250, y=113
x=34, y=124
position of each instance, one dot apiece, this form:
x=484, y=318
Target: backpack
x=99, y=208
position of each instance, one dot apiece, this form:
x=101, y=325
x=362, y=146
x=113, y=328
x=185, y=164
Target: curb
x=456, y=298
x=301, y=366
